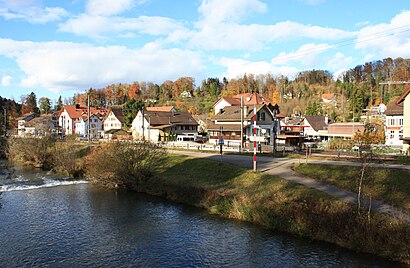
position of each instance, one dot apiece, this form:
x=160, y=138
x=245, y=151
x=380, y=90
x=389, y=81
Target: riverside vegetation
x=229, y=191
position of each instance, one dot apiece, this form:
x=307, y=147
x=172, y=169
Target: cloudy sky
x=60, y=47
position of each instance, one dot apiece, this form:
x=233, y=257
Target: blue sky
x=55, y=47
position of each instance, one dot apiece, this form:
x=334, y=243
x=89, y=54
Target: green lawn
x=389, y=185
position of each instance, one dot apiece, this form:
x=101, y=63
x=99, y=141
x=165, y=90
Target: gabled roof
x=118, y=113
x=77, y=111
x=252, y=99
x=233, y=113
x=161, y=109
x=316, y=121
x=169, y=118
x=225, y=127
x=393, y=108
x=27, y=117
x=403, y=96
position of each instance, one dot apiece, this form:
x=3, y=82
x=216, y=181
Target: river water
x=50, y=221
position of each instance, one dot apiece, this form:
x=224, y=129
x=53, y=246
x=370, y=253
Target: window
x=391, y=134
x=392, y=122
x=261, y=116
x=401, y=121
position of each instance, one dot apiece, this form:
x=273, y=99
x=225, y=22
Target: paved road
x=282, y=167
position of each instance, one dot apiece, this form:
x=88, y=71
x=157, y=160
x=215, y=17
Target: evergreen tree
x=45, y=105
x=59, y=105
x=131, y=109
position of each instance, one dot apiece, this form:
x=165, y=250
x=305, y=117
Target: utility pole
x=88, y=116
x=242, y=115
x=142, y=114
x=254, y=138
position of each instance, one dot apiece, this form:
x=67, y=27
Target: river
x=50, y=221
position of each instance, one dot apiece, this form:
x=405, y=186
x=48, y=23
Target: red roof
x=403, y=96
x=253, y=98
x=328, y=96
x=77, y=111
x=160, y=109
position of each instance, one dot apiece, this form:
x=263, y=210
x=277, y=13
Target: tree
x=45, y=105
x=59, y=105
x=130, y=110
x=30, y=103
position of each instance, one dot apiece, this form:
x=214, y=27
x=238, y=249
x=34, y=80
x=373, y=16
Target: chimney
x=326, y=119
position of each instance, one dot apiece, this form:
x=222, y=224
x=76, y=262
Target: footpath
x=282, y=167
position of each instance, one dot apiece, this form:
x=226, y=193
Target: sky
x=61, y=47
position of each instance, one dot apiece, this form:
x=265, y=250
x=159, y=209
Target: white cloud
x=106, y=8
x=387, y=39
x=216, y=11
x=238, y=67
x=256, y=36
x=65, y=65
x=305, y=55
x=97, y=26
x=30, y=11
x=6, y=81
x=338, y=64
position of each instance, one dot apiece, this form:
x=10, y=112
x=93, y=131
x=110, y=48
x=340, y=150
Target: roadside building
x=114, y=119
x=96, y=128
x=159, y=125
x=21, y=123
x=41, y=126
x=71, y=114
x=315, y=127
x=404, y=100
x=394, y=124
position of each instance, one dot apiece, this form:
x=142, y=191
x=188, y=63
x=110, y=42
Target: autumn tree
x=30, y=104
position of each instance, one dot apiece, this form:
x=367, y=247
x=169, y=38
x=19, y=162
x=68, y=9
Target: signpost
x=221, y=142
x=254, y=138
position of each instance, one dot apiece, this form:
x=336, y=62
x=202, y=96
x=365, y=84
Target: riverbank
x=277, y=204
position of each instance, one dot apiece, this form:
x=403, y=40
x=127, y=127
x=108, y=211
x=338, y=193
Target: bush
x=68, y=159
x=123, y=165
x=33, y=151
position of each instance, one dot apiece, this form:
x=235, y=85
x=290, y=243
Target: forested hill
x=355, y=90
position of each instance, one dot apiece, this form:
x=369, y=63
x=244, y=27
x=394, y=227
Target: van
x=186, y=138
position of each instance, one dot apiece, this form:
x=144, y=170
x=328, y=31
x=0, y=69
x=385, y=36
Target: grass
x=389, y=185
x=233, y=192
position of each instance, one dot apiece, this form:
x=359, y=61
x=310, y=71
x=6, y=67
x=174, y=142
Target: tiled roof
x=160, y=109
x=77, y=111
x=393, y=108
x=169, y=118
x=328, y=96
x=316, y=121
x=119, y=114
x=225, y=127
x=403, y=96
x=253, y=98
x=233, y=113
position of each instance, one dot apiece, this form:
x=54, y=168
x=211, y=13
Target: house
x=224, y=102
x=160, y=125
x=227, y=124
x=404, y=99
x=328, y=98
x=315, y=127
x=394, y=124
x=81, y=127
x=291, y=131
x=114, y=120
x=21, y=123
x=71, y=114
x=41, y=126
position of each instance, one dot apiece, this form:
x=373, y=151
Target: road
x=282, y=167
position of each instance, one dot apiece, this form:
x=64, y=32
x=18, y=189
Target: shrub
x=33, y=151
x=123, y=165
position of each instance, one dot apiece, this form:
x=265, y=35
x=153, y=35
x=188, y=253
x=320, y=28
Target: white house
x=404, y=99
x=81, y=127
x=225, y=102
x=21, y=123
x=71, y=114
x=315, y=126
x=156, y=125
x=394, y=124
x=114, y=119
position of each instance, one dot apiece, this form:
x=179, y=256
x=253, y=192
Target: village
x=232, y=119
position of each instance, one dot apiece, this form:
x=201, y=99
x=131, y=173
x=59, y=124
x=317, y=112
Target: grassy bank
x=390, y=185
x=236, y=193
